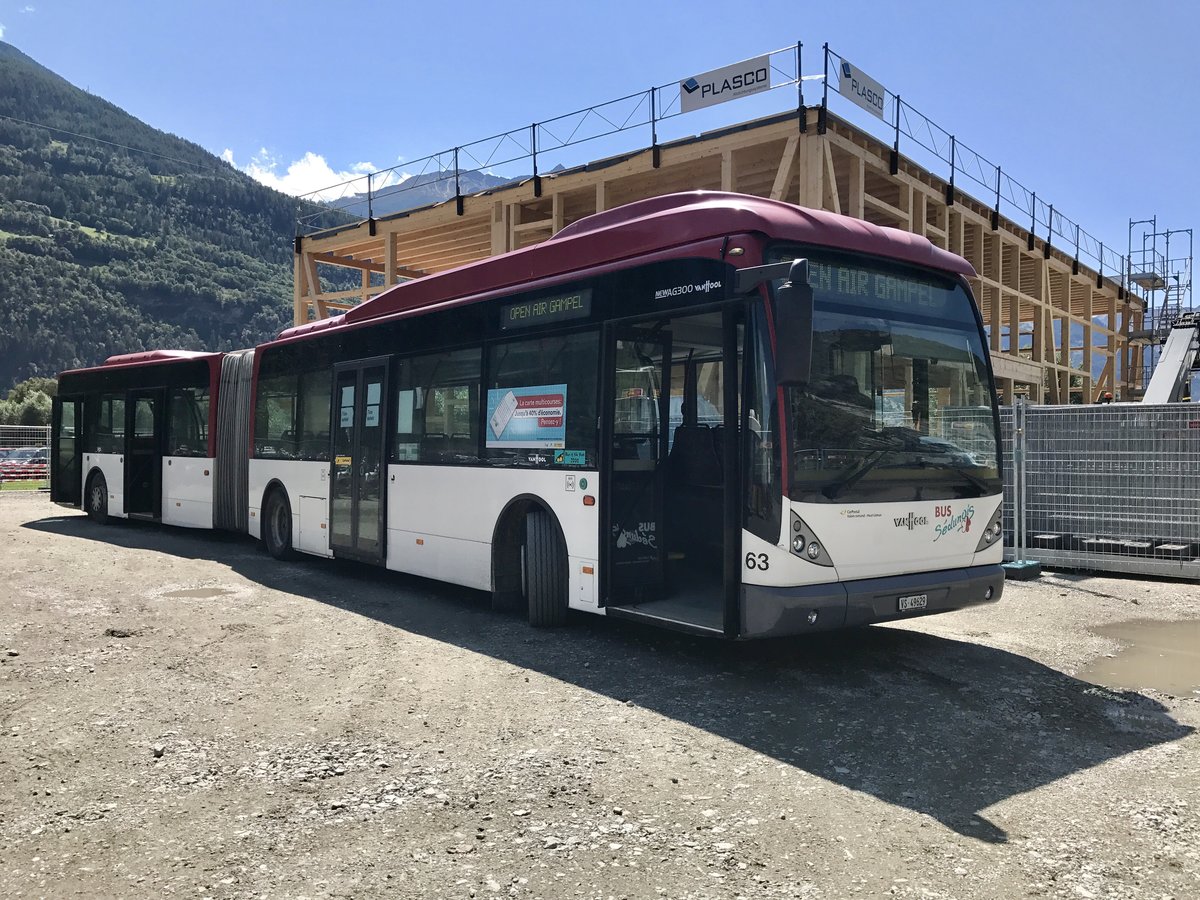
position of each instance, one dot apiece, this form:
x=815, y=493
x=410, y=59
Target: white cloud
x=1, y=31
x=28, y=9
x=307, y=175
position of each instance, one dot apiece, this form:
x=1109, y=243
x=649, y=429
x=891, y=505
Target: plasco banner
x=739, y=80
x=533, y=417
x=864, y=90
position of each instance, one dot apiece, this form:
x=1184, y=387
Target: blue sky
x=1091, y=104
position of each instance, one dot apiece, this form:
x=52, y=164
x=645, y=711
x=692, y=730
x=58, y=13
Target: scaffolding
x=1160, y=268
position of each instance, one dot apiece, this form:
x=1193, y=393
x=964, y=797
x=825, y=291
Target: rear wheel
x=277, y=526
x=96, y=499
x=545, y=571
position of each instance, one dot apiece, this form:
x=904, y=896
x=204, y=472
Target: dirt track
x=181, y=714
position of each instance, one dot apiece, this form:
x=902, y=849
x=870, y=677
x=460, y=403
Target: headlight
x=991, y=534
x=814, y=550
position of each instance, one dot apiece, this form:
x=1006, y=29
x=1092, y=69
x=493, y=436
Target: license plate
x=916, y=601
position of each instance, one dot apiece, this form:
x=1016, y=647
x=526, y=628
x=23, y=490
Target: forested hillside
x=104, y=250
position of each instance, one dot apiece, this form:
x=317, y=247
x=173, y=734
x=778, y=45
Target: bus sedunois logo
x=952, y=521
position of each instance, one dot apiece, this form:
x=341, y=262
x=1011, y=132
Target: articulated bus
x=712, y=412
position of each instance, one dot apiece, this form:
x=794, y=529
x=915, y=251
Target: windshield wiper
x=974, y=480
x=852, y=477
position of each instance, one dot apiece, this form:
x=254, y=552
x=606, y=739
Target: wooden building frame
x=1024, y=288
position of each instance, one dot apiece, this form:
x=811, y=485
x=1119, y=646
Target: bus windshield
x=899, y=405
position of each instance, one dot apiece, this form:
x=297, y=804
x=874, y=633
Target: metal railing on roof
x=521, y=154
x=1007, y=196
x=358, y=199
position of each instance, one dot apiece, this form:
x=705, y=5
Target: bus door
x=667, y=554
x=144, y=439
x=356, y=494
x=639, y=388
x=66, y=473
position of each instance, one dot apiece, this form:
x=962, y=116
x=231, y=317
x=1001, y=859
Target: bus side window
x=538, y=368
x=764, y=490
x=313, y=415
x=106, y=423
x=275, y=418
x=187, y=427
x=437, y=406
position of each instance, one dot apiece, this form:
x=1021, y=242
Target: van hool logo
x=960, y=522
x=701, y=288
x=911, y=521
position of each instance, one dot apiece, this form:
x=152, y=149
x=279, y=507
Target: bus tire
x=277, y=525
x=95, y=498
x=545, y=571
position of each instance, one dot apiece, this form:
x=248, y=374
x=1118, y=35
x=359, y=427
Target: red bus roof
x=147, y=358
x=657, y=223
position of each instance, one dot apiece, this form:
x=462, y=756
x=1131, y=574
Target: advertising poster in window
x=527, y=417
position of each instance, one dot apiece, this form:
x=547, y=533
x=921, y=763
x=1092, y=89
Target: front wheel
x=96, y=499
x=277, y=526
x=545, y=571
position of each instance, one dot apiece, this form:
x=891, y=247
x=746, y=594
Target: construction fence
x=1110, y=488
x=24, y=457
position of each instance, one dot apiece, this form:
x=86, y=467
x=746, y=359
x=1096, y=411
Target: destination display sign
x=545, y=310
x=878, y=289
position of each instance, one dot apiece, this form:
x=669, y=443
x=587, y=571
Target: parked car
x=24, y=463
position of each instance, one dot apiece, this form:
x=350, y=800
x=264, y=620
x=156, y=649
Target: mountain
x=131, y=238
x=106, y=250
x=419, y=190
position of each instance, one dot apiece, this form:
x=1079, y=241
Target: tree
x=28, y=403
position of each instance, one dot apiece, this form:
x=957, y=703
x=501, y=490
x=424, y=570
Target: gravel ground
x=182, y=715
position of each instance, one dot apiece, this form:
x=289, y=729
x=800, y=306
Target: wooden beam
x=557, y=212
x=996, y=317
x=347, y=262
x=881, y=206
x=830, y=199
x=541, y=225
x=299, y=307
x=857, y=189
x=787, y=165
x=389, y=259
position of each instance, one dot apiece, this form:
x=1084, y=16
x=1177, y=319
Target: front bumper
x=775, y=612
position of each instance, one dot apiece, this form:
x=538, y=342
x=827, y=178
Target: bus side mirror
x=793, y=327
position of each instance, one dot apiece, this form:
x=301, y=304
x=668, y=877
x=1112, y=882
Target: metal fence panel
x=24, y=456
x=20, y=436
x=1112, y=488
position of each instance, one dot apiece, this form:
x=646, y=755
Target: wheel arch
x=508, y=535
x=92, y=473
x=274, y=485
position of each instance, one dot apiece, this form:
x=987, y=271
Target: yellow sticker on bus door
x=343, y=460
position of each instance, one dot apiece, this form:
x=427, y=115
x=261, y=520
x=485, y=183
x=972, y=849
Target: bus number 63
x=757, y=561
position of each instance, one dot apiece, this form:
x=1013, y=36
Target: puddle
x=1164, y=656
x=196, y=594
